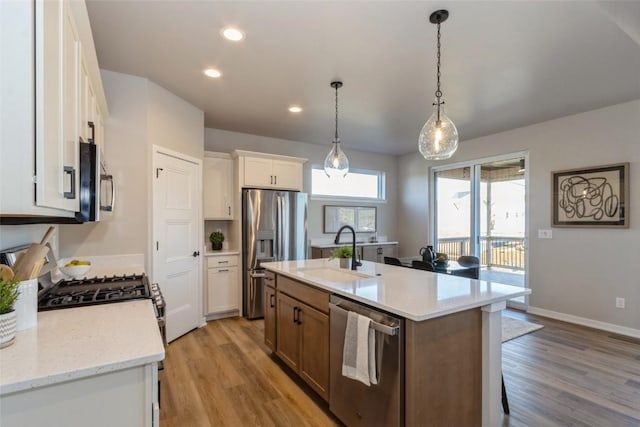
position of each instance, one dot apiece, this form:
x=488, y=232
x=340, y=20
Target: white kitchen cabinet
x=377, y=252
x=58, y=81
x=218, y=187
x=49, y=72
x=261, y=170
x=222, y=284
x=126, y=397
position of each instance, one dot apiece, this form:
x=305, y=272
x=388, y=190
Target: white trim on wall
x=583, y=321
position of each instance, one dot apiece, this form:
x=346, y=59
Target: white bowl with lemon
x=75, y=268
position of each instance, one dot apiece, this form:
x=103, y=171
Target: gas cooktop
x=99, y=290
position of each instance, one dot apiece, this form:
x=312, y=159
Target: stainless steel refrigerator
x=274, y=228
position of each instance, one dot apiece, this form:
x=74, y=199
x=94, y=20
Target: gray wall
x=126, y=154
x=141, y=114
x=226, y=142
x=581, y=271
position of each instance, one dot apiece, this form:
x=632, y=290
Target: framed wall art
x=591, y=197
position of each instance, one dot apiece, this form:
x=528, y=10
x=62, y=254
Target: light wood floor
x=561, y=375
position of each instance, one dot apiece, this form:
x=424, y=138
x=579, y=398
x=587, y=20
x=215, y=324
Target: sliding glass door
x=480, y=210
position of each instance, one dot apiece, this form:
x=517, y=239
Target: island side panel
x=443, y=380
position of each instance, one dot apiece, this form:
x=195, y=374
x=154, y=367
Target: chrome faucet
x=354, y=262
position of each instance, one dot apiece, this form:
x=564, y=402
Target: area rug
x=514, y=328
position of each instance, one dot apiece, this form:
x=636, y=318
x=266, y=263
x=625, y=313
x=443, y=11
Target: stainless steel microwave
x=96, y=189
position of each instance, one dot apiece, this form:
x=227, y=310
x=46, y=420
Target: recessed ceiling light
x=233, y=34
x=295, y=109
x=212, y=72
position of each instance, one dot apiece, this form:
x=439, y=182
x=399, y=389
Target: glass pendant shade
x=438, y=139
x=336, y=164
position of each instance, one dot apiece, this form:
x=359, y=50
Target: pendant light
x=438, y=138
x=336, y=163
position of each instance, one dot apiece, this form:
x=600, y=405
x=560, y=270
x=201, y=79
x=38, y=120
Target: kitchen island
x=95, y=365
x=451, y=339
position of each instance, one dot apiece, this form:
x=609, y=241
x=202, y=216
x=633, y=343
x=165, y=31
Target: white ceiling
x=505, y=64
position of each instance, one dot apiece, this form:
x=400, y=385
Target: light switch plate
x=545, y=234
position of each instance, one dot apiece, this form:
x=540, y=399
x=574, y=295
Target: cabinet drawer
x=314, y=297
x=270, y=279
x=222, y=261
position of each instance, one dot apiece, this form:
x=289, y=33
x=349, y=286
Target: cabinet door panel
x=287, y=175
x=257, y=172
x=314, y=356
x=217, y=186
x=369, y=253
x=288, y=332
x=57, y=87
x=270, y=317
x=222, y=289
x=377, y=253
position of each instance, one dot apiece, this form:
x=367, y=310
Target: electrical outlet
x=619, y=302
x=545, y=234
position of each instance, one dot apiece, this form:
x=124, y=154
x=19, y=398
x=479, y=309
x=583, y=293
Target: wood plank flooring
x=561, y=375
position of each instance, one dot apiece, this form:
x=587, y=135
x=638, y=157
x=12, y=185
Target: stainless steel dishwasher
x=354, y=403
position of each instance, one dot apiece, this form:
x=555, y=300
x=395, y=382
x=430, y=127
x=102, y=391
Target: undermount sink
x=329, y=274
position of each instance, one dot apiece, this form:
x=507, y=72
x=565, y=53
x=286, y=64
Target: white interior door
x=176, y=218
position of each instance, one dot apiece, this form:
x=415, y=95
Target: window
x=358, y=184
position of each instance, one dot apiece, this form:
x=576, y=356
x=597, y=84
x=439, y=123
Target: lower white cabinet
x=121, y=398
x=222, y=284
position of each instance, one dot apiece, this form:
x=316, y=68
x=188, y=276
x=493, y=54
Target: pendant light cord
x=438, y=91
x=336, y=139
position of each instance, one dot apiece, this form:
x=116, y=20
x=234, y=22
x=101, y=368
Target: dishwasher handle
x=385, y=329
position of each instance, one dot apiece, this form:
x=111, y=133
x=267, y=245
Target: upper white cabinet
x=58, y=81
x=49, y=43
x=260, y=170
x=218, y=186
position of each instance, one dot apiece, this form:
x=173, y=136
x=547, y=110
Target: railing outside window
x=505, y=252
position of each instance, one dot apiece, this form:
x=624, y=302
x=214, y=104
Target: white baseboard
x=223, y=315
x=609, y=327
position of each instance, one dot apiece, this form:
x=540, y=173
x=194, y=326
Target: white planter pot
x=26, y=306
x=7, y=328
x=345, y=262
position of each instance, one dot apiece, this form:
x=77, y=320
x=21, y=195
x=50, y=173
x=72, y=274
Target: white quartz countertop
x=210, y=252
x=75, y=343
x=414, y=294
x=333, y=245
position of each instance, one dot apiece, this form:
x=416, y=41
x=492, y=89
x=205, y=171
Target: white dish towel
x=359, y=352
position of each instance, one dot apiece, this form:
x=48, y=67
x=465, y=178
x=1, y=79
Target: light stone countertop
x=74, y=343
x=414, y=294
x=333, y=245
x=223, y=252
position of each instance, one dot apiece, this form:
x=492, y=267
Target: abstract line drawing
x=582, y=197
x=591, y=197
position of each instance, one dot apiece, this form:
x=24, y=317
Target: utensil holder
x=26, y=306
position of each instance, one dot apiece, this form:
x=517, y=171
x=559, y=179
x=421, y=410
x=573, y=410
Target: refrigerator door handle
x=278, y=248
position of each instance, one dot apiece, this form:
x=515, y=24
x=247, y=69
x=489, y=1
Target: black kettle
x=428, y=254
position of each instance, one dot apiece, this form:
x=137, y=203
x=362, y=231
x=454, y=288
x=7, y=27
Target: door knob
x=196, y=253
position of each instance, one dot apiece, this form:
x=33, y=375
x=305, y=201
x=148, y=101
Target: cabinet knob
x=196, y=253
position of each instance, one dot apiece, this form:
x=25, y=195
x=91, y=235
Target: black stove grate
x=101, y=290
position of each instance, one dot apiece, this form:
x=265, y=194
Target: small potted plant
x=216, y=238
x=8, y=295
x=344, y=253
